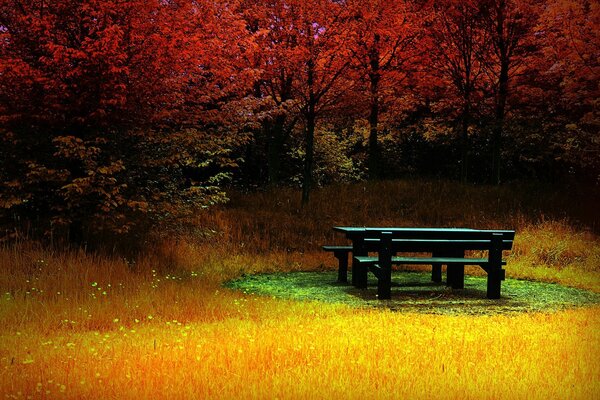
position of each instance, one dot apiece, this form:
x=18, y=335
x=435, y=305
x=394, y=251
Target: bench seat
x=341, y=253
x=455, y=276
x=429, y=261
x=337, y=248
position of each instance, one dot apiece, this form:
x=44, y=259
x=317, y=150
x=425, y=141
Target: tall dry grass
x=77, y=325
x=555, y=241
x=273, y=220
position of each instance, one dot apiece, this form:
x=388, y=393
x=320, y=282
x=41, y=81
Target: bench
x=446, y=246
x=341, y=253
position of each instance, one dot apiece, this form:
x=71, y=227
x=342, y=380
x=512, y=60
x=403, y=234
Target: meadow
x=80, y=325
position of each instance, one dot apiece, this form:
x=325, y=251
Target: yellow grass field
x=85, y=326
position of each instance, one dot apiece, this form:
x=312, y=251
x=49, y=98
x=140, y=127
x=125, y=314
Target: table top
x=399, y=229
x=361, y=231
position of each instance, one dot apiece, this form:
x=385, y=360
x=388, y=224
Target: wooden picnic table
x=447, y=246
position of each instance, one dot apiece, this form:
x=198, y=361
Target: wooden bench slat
x=429, y=245
x=425, y=245
x=423, y=232
x=337, y=248
x=429, y=260
x=376, y=270
x=433, y=234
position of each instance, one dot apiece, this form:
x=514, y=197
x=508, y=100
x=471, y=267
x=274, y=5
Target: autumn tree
x=104, y=104
x=118, y=113
x=458, y=41
x=509, y=24
x=568, y=31
x=271, y=25
x=320, y=59
x=384, y=51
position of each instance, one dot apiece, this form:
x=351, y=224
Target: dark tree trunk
x=278, y=133
x=309, y=156
x=374, y=151
x=276, y=141
x=374, y=162
x=504, y=59
x=310, y=114
x=499, y=125
x=76, y=234
x=464, y=139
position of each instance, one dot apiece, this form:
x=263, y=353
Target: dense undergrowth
x=81, y=325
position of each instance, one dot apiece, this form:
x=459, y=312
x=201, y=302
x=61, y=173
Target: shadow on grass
x=414, y=292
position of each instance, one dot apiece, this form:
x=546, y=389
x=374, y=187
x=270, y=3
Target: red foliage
x=113, y=108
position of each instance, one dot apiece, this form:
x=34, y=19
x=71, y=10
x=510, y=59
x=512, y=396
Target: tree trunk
x=504, y=59
x=309, y=155
x=275, y=149
x=278, y=133
x=464, y=141
x=310, y=114
x=374, y=163
x=374, y=151
x=499, y=125
x=76, y=234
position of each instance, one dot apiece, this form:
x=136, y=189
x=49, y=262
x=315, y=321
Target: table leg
x=359, y=274
x=455, y=274
x=359, y=271
x=384, y=281
x=495, y=272
x=342, y=266
x=450, y=272
x=494, y=283
x=458, y=279
x=436, y=271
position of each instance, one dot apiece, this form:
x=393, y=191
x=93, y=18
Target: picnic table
x=451, y=247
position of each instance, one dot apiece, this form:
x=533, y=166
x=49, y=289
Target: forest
x=170, y=170
x=121, y=116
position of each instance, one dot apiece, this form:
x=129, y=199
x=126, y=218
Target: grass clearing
x=413, y=291
x=84, y=326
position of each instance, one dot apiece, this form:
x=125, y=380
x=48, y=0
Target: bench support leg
x=436, y=272
x=494, y=283
x=459, y=277
x=342, y=266
x=495, y=272
x=455, y=274
x=449, y=276
x=359, y=274
x=384, y=283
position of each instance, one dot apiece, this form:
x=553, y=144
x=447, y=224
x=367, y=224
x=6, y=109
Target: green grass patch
x=414, y=292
